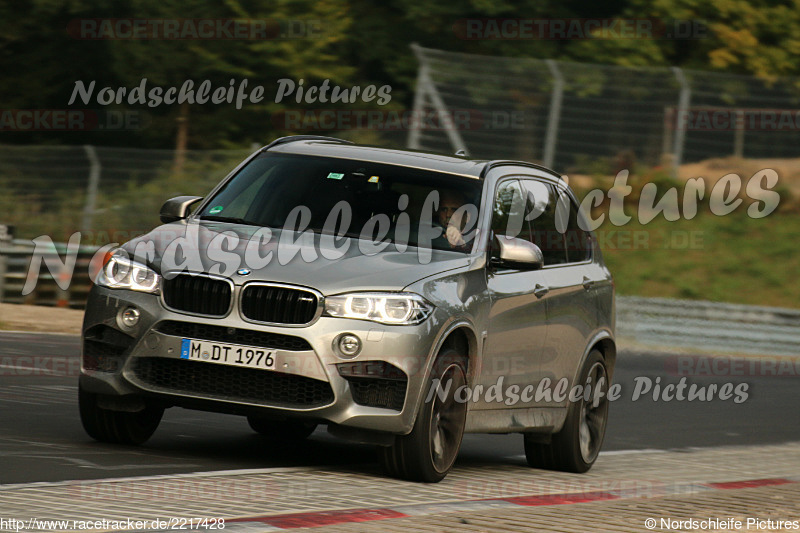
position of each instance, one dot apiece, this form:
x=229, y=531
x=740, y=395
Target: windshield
x=351, y=198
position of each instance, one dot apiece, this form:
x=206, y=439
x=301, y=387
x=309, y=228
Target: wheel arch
x=465, y=342
x=608, y=348
x=603, y=342
x=460, y=334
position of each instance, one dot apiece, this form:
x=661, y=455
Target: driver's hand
x=454, y=236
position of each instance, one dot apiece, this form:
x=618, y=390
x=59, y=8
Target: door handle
x=587, y=283
x=540, y=290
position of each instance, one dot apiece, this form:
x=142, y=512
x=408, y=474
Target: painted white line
x=613, y=452
x=19, y=332
x=190, y=475
x=21, y=401
x=631, y=452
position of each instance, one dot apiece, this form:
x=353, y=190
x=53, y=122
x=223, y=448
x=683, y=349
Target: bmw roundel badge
x=243, y=271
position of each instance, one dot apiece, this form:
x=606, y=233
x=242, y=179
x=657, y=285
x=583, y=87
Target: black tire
x=282, y=429
x=116, y=426
x=576, y=446
x=427, y=453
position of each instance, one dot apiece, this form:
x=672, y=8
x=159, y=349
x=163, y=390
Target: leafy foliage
x=360, y=43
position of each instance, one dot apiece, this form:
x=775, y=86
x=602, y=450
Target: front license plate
x=228, y=354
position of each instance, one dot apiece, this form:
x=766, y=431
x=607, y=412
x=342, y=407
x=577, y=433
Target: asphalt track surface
x=41, y=438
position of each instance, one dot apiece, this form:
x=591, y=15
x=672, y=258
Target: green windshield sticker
x=216, y=209
x=335, y=176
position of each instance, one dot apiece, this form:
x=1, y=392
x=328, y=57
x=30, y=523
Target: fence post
x=425, y=83
x=738, y=139
x=7, y=240
x=555, y=114
x=680, y=128
x=6, y=234
x=415, y=130
x=91, y=188
x=2, y=275
x=669, y=128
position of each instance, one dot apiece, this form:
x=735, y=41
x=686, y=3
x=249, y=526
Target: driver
x=452, y=225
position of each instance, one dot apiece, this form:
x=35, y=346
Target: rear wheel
x=429, y=451
x=119, y=427
x=575, y=448
x=282, y=429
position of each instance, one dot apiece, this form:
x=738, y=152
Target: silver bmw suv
x=400, y=298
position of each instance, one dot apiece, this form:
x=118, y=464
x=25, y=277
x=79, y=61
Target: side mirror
x=177, y=208
x=518, y=254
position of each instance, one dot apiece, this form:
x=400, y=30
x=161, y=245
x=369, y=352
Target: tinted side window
x=578, y=243
x=541, y=212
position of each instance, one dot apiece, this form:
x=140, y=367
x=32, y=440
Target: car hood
x=224, y=249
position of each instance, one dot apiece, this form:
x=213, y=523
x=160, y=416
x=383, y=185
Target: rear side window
x=577, y=240
x=542, y=213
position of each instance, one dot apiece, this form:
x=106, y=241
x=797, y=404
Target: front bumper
x=144, y=360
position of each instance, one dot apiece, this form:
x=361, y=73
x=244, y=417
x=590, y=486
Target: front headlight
x=394, y=308
x=119, y=272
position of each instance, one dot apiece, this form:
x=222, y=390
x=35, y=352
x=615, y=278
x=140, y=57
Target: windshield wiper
x=233, y=220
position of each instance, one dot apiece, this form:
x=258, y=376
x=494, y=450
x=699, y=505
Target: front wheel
x=117, y=427
x=427, y=453
x=575, y=448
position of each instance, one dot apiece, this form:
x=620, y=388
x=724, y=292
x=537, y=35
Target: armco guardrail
x=719, y=327
x=658, y=322
x=15, y=259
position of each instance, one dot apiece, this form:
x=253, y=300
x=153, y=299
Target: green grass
x=732, y=259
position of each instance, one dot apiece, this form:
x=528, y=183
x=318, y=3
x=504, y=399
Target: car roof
x=332, y=147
